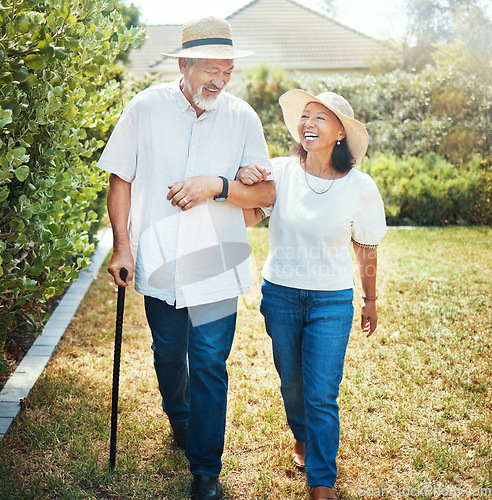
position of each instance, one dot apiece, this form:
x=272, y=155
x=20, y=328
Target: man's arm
x=261, y=194
x=119, y=200
x=193, y=190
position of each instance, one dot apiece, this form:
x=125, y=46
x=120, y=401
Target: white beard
x=205, y=103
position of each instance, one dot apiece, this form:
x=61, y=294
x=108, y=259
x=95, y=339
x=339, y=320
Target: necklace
x=323, y=191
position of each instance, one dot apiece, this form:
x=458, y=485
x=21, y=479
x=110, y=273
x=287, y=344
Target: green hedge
x=56, y=104
x=430, y=191
x=430, y=136
x=435, y=111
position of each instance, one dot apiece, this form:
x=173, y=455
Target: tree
x=469, y=50
x=130, y=14
x=438, y=23
x=327, y=7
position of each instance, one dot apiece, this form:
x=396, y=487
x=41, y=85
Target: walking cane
x=116, y=367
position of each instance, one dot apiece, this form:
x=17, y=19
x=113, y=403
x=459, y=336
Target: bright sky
x=377, y=18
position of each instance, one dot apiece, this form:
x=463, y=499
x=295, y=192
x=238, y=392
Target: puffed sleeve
x=369, y=224
x=276, y=175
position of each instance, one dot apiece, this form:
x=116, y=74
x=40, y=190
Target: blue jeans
x=310, y=330
x=190, y=363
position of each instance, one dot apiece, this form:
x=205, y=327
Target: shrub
x=433, y=127
x=261, y=86
x=431, y=191
x=437, y=110
x=55, y=103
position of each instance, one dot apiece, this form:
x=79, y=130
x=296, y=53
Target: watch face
x=220, y=198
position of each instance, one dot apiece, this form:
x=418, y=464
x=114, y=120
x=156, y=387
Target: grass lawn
x=415, y=402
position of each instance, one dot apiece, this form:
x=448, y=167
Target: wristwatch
x=225, y=190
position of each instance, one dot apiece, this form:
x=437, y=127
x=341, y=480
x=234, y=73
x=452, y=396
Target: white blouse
x=310, y=234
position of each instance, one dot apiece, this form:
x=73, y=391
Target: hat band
x=207, y=41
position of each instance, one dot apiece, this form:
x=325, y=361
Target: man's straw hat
x=294, y=102
x=207, y=38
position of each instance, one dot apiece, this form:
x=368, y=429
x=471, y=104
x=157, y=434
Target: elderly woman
x=324, y=207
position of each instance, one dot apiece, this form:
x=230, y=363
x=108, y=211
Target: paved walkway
x=30, y=368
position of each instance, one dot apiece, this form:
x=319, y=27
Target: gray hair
x=191, y=61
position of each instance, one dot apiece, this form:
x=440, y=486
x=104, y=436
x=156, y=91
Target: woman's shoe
x=298, y=454
x=323, y=493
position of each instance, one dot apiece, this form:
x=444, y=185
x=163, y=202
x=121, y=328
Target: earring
x=338, y=143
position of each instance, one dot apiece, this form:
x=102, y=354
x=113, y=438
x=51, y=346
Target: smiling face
x=319, y=129
x=204, y=81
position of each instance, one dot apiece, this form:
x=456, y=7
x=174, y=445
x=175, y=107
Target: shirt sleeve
x=255, y=148
x=277, y=166
x=119, y=157
x=369, y=224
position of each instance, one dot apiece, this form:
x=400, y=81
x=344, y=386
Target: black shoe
x=180, y=431
x=206, y=488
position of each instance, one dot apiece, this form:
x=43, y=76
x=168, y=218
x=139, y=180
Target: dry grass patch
x=415, y=401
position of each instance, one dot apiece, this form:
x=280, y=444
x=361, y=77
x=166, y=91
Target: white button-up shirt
x=201, y=255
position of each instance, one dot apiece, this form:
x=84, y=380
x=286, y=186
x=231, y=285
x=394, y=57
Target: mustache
x=211, y=86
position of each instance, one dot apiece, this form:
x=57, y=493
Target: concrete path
x=30, y=368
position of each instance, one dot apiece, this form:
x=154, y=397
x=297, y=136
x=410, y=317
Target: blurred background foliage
x=430, y=137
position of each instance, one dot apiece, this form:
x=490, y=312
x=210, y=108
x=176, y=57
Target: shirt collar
x=181, y=100
x=184, y=104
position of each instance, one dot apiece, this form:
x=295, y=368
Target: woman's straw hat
x=207, y=38
x=295, y=101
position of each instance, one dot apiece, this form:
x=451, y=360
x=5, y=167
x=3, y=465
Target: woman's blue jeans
x=310, y=330
x=190, y=363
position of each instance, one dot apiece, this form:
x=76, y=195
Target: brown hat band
x=207, y=41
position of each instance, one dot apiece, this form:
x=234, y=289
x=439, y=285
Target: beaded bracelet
x=370, y=298
x=261, y=212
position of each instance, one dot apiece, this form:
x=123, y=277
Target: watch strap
x=225, y=190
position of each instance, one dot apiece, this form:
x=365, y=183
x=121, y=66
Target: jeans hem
x=205, y=473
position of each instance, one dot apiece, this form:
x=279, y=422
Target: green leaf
x=18, y=224
x=54, y=228
x=20, y=75
x=91, y=69
x=70, y=113
x=6, y=77
x=5, y=117
x=57, y=254
x=26, y=213
x=35, y=62
x=32, y=80
x=61, y=53
x=22, y=172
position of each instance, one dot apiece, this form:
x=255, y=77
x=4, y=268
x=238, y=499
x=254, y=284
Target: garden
x=415, y=400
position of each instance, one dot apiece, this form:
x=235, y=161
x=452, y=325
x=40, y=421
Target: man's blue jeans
x=310, y=330
x=190, y=363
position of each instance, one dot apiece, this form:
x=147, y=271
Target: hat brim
x=294, y=102
x=210, y=52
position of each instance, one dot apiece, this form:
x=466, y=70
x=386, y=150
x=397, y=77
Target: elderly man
x=178, y=226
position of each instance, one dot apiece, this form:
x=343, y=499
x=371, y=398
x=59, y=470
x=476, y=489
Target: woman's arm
x=252, y=216
x=249, y=175
x=367, y=259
